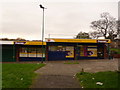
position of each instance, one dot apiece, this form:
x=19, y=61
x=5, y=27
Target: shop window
x=57, y=48
x=39, y=52
x=23, y=52
x=92, y=51
x=61, y=48
x=31, y=52
x=52, y=48
x=70, y=51
x=88, y=51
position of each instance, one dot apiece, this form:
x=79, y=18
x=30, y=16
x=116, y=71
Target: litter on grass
x=99, y=83
x=21, y=79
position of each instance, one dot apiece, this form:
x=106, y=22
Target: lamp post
x=42, y=30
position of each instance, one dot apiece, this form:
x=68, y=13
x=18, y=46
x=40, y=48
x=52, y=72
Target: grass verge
x=98, y=80
x=17, y=75
x=115, y=50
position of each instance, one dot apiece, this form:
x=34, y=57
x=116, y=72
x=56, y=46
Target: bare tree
x=106, y=26
x=118, y=25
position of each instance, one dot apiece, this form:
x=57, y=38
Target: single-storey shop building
x=55, y=49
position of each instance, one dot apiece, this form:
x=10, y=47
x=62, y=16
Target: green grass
x=71, y=63
x=18, y=75
x=89, y=80
x=0, y=75
x=115, y=50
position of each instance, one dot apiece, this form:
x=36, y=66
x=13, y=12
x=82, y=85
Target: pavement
x=56, y=74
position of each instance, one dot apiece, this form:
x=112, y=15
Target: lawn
x=98, y=80
x=18, y=75
x=115, y=50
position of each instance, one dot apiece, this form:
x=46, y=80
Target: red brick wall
x=116, y=55
x=105, y=51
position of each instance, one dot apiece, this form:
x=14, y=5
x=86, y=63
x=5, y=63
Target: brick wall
x=116, y=55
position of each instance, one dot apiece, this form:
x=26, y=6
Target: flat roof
x=79, y=40
x=30, y=42
x=23, y=42
x=6, y=42
x=57, y=40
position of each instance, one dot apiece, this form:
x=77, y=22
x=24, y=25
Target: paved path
x=56, y=74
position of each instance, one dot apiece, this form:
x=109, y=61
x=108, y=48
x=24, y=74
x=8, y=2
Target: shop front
x=77, y=49
x=30, y=51
x=55, y=49
x=60, y=52
x=86, y=52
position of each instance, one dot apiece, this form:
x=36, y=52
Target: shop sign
x=102, y=41
x=20, y=43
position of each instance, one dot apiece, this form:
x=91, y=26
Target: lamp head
x=42, y=7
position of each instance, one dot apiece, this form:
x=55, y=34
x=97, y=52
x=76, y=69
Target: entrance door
x=81, y=52
x=100, y=51
x=77, y=53
x=56, y=53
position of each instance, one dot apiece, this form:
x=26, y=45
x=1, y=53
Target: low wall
x=116, y=55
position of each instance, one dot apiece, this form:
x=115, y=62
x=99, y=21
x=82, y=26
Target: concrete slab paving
x=56, y=74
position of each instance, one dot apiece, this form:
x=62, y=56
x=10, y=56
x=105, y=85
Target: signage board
x=20, y=43
x=29, y=43
x=102, y=41
x=79, y=40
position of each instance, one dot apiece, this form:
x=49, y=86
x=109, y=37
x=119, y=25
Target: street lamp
x=42, y=30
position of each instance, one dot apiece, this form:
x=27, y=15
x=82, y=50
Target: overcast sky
x=63, y=18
